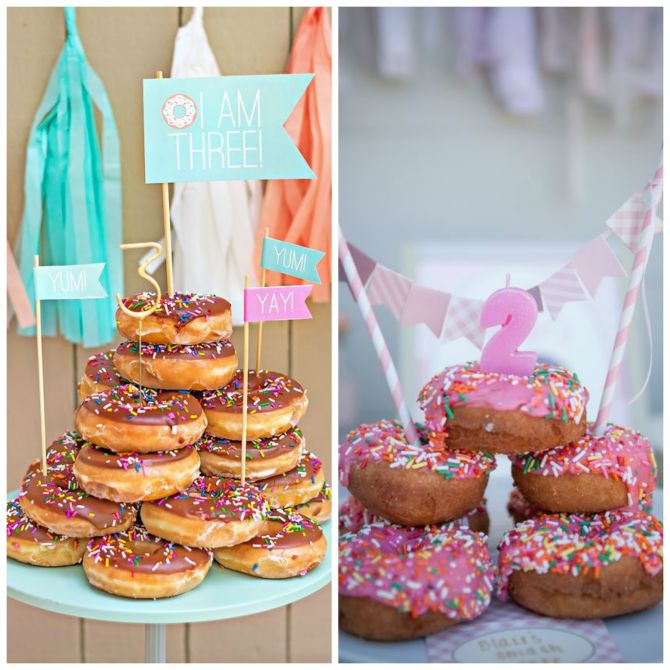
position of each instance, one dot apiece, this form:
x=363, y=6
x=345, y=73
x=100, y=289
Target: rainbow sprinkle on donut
x=549, y=392
x=446, y=570
x=186, y=306
x=205, y=350
x=574, y=544
x=619, y=453
x=385, y=441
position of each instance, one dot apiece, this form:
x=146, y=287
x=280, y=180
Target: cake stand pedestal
x=223, y=594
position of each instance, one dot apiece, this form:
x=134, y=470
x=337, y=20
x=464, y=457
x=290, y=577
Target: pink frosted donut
x=412, y=485
x=583, y=566
x=504, y=413
x=401, y=583
x=596, y=473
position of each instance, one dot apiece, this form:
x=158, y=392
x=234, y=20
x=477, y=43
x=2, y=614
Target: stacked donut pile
x=585, y=545
x=126, y=495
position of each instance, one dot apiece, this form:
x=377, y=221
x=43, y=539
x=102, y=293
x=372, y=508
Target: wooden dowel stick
x=245, y=389
x=40, y=374
x=259, y=343
x=167, y=231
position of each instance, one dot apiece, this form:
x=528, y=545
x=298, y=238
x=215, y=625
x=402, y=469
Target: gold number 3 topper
x=142, y=272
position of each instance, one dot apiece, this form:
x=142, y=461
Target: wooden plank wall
x=124, y=45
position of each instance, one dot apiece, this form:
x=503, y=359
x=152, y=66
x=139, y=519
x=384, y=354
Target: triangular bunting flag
x=594, y=262
x=426, y=305
x=463, y=319
x=388, y=288
x=563, y=286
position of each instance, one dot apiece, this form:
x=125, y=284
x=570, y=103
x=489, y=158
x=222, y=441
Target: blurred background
x=475, y=142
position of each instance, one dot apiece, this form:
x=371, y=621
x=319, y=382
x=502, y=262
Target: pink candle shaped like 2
x=515, y=310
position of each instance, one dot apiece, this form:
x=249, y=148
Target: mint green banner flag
x=291, y=259
x=222, y=128
x=69, y=282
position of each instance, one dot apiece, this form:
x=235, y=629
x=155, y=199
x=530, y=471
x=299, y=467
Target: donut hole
x=144, y=548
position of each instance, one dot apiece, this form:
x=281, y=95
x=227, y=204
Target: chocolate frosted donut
x=266, y=456
x=504, y=413
x=29, y=543
x=412, y=485
x=194, y=367
x=211, y=513
x=184, y=318
x=57, y=503
x=583, y=566
x=276, y=403
x=133, y=477
x=124, y=419
x=137, y=564
x=594, y=474
x=399, y=583
x=287, y=546
x=295, y=486
x=316, y=509
x=99, y=375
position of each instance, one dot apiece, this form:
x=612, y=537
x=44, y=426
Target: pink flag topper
x=276, y=303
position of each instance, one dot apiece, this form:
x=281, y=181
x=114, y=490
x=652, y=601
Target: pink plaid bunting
x=463, y=319
x=594, y=262
x=388, y=288
x=426, y=305
x=563, y=286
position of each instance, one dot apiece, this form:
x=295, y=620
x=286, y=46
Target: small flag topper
x=291, y=259
x=69, y=282
x=222, y=128
x=276, y=303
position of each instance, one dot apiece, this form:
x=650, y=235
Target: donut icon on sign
x=179, y=111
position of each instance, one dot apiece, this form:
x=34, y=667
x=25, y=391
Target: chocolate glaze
x=158, y=408
x=306, y=470
x=182, y=308
x=268, y=391
x=100, y=369
x=20, y=525
x=206, y=351
x=59, y=491
x=98, y=457
x=262, y=449
x=285, y=530
x=165, y=558
x=217, y=499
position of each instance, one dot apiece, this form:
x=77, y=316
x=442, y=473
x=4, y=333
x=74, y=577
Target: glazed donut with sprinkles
x=276, y=403
x=581, y=566
x=411, y=485
x=593, y=474
x=399, y=583
x=504, y=413
x=125, y=419
x=183, y=318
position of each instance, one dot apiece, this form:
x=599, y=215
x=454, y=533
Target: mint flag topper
x=276, y=303
x=69, y=282
x=291, y=259
x=222, y=128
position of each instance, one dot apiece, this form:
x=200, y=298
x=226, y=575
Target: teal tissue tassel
x=72, y=195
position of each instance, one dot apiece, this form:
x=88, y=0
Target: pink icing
x=446, y=570
x=385, y=441
x=577, y=543
x=550, y=393
x=518, y=505
x=620, y=454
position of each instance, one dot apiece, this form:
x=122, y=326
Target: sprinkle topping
x=285, y=530
x=20, y=525
x=549, y=392
x=305, y=472
x=216, y=499
x=138, y=551
x=148, y=407
x=385, y=441
x=140, y=463
x=577, y=544
x=261, y=449
x=268, y=391
x=620, y=454
x=446, y=570
x=182, y=307
x=100, y=370
x=204, y=351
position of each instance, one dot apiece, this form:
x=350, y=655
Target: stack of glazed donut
x=585, y=544
x=143, y=496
